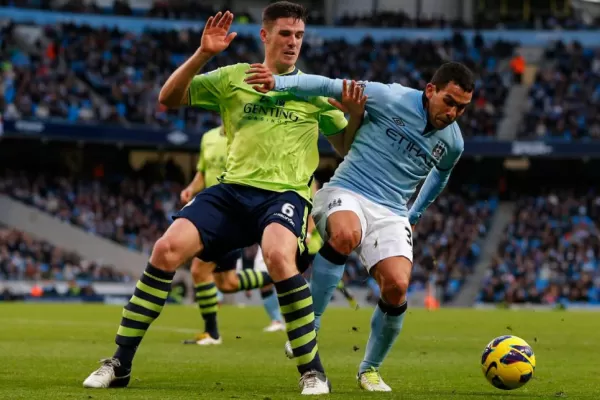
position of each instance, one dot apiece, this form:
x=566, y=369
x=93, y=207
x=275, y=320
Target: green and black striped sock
x=206, y=297
x=296, y=305
x=250, y=279
x=146, y=304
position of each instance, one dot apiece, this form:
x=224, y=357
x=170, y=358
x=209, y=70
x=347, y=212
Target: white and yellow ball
x=508, y=362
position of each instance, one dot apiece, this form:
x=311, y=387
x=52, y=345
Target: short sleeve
x=332, y=122
x=207, y=90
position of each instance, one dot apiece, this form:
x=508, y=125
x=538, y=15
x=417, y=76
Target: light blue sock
x=324, y=280
x=385, y=328
x=271, y=305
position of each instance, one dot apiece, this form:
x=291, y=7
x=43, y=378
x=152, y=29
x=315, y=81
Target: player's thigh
x=202, y=271
x=177, y=245
x=280, y=246
x=339, y=218
x=283, y=221
x=388, y=237
x=219, y=220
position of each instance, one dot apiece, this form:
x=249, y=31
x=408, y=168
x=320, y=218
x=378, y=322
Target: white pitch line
x=85, y=323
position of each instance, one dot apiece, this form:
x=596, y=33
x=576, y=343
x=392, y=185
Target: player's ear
x=263, y=34
x=429, y=90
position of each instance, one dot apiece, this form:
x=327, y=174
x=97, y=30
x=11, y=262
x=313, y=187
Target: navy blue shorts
x=230, y=217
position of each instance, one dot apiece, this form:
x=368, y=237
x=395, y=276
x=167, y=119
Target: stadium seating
x=549, y=254
x=129, y=212
x=23, y=257
x=564, y=101
x=127, y=71
x=37, y=87
x=451, y=233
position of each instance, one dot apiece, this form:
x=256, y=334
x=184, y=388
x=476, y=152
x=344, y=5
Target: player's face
x=447, y=104
x=283, y=40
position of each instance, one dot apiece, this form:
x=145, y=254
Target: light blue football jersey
x=394, y=149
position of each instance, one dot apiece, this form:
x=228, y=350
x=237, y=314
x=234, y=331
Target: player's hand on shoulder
x=216, y=36
x=260, y=77
x=353, y=99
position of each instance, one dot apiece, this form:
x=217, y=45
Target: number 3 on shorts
x=288, y=210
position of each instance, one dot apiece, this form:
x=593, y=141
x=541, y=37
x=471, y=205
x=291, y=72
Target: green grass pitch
x=46, y=351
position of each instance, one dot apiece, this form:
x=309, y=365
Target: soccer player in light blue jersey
x=407, y=136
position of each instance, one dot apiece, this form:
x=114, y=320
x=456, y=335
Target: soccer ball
x=508, y=362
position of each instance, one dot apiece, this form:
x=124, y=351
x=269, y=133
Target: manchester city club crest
x=438, y=150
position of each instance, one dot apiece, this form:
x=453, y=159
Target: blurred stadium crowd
x=87, y=75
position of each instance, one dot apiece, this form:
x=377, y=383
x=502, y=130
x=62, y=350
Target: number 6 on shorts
x=288, y=210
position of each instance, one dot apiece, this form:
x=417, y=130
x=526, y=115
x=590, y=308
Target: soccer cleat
x=371, y=381
x=206, y=340
x=289, y=353
x=109, y=375
x=202, y=337
x=314, y=382
x=275, y=326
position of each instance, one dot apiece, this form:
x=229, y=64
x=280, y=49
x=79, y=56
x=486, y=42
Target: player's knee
x=393, y=291
x=277, y=258
x=166, y=255
x=345, y=240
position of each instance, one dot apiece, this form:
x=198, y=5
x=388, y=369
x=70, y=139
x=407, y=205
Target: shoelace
x=310, y=380
x=372, y=376
x=108, y=365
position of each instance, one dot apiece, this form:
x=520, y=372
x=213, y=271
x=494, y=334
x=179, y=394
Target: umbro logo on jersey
x=335, y=203
x=398, y=121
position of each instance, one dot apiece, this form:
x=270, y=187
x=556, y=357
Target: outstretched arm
x=432, y=187
x=309, y=85
x=301, y=84
x=215, y=39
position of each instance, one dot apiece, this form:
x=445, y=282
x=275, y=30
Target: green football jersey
x=272, y=138
x=213, y=155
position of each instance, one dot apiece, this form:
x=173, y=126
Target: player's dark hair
x=283, y=9
x=454, y=72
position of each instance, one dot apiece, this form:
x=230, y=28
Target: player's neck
x=279, y=69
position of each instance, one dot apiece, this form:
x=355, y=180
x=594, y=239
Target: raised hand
x=260, y=77
x=216, y=36
x=353, y=101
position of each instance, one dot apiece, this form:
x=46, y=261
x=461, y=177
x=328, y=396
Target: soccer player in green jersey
x=221, y=275
x=263, y=196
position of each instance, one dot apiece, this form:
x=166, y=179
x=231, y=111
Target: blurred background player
x=264, y=194
x=211, y=164
x=409, y=136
